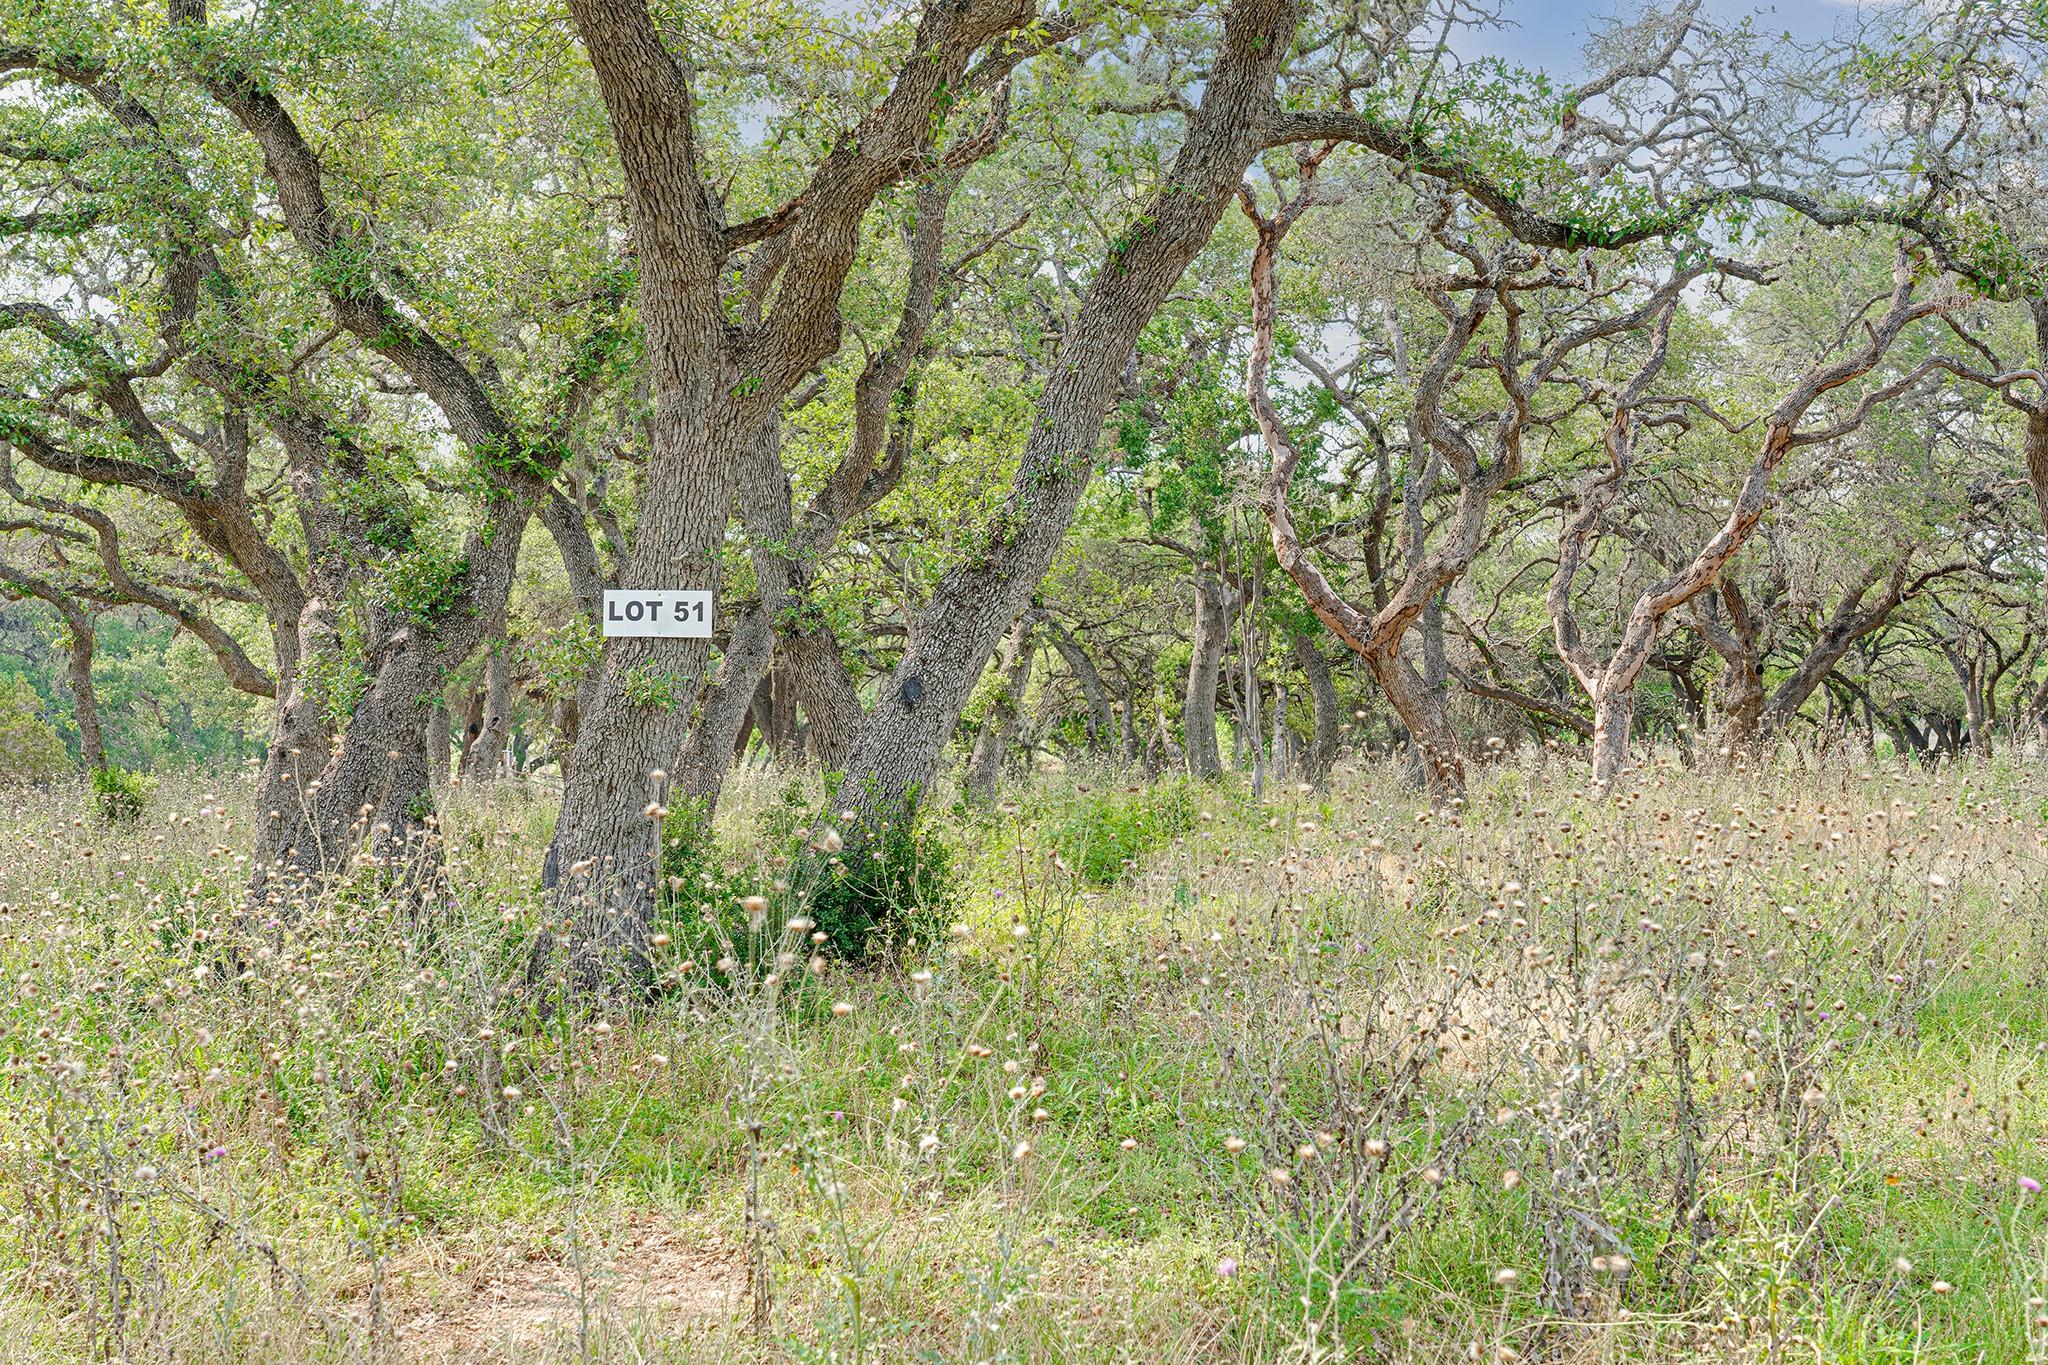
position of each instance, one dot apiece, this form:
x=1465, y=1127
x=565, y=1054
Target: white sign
x=657, y=611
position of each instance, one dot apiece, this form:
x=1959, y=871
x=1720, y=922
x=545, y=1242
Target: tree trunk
x=373, y=795
x=998, y=733
x=485, y=760
x=85, y=710
x=1423, y=713
x=920, y=704
x=1327, y=710
x=764, y=500
x=1205, y=668
x=825, y=691
x=1614, y=711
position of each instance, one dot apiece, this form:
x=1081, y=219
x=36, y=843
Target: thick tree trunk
x=823, y=688
x=372, y=798
x=920, y=704
x=1328, y=718
x=1614, y=711
x=998, y=733
x=1742, y=700
x=1422, y=711
x=1205, y=668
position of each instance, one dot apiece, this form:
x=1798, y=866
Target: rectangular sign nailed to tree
x=683, y=612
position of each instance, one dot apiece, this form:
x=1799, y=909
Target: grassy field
x=1743, y=1066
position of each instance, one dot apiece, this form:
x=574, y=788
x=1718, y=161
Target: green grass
x=1246, y=987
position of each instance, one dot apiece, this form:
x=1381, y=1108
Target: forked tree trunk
x=1205, y=669
x=920, y=703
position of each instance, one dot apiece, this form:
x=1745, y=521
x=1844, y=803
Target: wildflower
x=2030, y=1185
x=1506, y=1276
x=1226, y=1267
x=1233, y=1145
x=841, y=1008
x=928, y=1144
x=1510, y=1179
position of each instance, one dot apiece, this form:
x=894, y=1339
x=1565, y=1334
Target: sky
x=1551, y=33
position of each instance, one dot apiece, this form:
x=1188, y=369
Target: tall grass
x=1747, y=1064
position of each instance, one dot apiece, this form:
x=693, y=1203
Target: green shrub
x=1101, y=835
x=697, y=901
x=30, y=748
x=870, y=899
x=891, y=893
x=119, y=794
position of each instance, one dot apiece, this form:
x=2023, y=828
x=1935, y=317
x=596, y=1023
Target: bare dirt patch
x=648, y=1280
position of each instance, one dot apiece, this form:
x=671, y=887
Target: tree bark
x=1205, y=669
x=82, y=641
x=1613, y=716
x=485, y=759
x=701, y=766
x=998, y=733
x=1741, y=684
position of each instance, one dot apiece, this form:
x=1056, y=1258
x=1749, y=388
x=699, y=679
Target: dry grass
x=1745, y=1065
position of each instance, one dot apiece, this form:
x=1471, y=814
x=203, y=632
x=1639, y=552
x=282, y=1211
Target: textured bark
x=437, y=744
x=1327, y=732
x=1741, y=684
x=998, y=734
x=825, y=691
x=714, y=385
x=1614, y=713
x=920, y=703
x=701, y=767
x=1205, y=669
